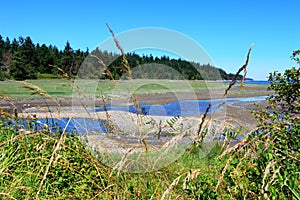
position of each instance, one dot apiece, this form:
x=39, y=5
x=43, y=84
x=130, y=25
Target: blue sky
x=225, y=29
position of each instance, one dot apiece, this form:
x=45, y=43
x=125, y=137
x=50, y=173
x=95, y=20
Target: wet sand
x=83, y=108
x=156, y=98
x=232, y=114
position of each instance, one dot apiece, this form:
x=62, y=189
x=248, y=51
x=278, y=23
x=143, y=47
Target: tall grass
x=37, y=164
x=42, y=164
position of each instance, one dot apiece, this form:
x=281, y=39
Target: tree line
x=166, y=68
x=21, y=59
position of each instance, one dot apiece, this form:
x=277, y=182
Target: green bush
x=267, y=164
x=3, y=75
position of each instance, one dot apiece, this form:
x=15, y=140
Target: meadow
x=64, y=88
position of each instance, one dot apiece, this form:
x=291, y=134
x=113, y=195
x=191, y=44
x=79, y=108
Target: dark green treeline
x=21, y=59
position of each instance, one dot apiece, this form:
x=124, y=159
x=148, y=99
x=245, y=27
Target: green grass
x=73, y=173
x=64, y=88
x=55, y=88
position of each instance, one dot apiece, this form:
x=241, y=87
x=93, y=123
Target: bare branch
x=244, y=67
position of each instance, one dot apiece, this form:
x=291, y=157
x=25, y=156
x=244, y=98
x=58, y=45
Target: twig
x=267, y=171
x=103, y=190
x=65, y=74
x=134, y=97
x=201, y=124
x=115, y=39
x=233, y=81
x=243, y=79
x=170, y=188
x=223, y=172
x=120, y=164
x=145, y=144
x=99, y=60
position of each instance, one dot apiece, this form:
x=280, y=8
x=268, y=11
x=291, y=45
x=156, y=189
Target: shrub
x=267, y=163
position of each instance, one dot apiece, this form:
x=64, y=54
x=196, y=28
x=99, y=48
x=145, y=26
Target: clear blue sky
x=225, y=29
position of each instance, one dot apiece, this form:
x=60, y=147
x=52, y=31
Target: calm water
x=85, y=126
x=258, y=82
x=181, y=108
x=254, y=82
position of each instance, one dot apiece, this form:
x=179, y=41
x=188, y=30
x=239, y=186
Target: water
x=86, y=125
x=77, y=125
x=181, y=108
x=177, y=108
x=260, y=82
x=69, y=125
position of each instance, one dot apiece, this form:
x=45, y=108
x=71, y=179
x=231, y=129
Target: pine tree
x=67, y=60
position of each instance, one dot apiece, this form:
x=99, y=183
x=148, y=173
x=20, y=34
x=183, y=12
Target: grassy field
x=65, y=88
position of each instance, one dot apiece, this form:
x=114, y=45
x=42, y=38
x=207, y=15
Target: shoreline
x=51, y=110
x=238, y=113
x=154, y=98
x=68, y=107
x=234, y=115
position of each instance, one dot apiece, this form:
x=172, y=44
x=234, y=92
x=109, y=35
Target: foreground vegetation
x=264, y=165
x=32, y=166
